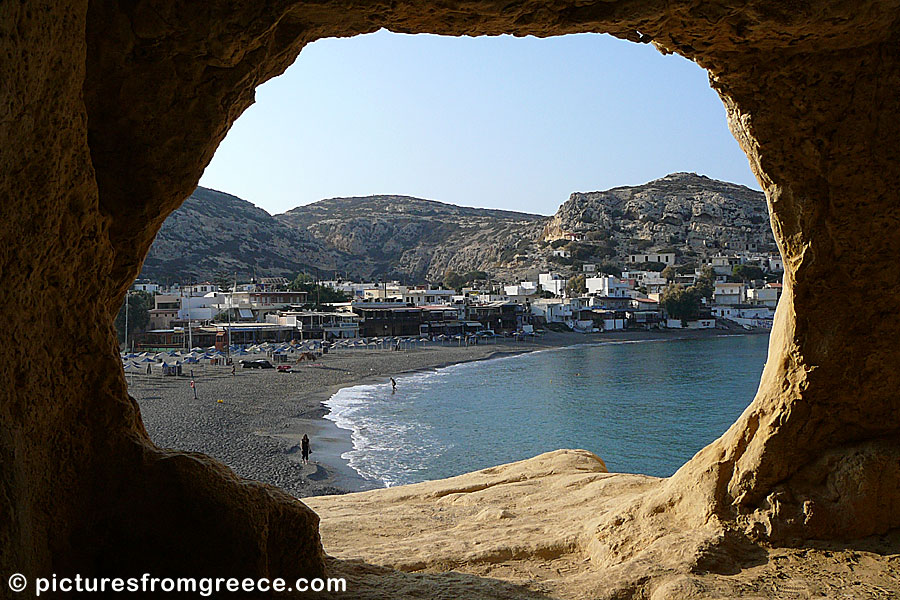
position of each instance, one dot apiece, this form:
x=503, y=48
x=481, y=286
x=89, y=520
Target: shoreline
x=253, y=421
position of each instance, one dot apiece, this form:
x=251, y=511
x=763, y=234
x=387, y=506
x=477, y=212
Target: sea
x=642, y=406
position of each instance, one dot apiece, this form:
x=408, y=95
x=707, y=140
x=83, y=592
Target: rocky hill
x=412, y=238
x=415, y=240
x=683, y=211
x=216, y=233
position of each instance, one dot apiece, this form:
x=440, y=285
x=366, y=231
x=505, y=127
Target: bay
x=642, y=406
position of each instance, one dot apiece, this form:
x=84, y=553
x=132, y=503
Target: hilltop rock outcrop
x=682, y=211
x=110, y=112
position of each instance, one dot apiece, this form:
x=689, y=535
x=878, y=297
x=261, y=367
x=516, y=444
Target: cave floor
x=524, y=530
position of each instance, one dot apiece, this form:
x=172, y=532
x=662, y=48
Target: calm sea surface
x=644, y=407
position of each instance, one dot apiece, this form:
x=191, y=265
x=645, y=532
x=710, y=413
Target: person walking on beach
x=304, y=449
x=232, y=369
x=393, y=386
x=148, y=369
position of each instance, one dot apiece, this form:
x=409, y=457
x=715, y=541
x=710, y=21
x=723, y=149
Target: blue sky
x=499, y=122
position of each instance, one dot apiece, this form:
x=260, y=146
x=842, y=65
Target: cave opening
x=477, y=115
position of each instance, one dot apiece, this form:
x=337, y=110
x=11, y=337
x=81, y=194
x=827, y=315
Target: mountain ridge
x=415, y=239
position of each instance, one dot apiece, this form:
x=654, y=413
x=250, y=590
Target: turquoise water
x=644, y=407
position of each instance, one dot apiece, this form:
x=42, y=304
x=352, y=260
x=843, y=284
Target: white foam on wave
x=384, y=448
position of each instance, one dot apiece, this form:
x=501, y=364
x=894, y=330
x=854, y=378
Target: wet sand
x=253, y=421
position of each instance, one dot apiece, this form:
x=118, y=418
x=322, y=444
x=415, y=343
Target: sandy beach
x=253, y=421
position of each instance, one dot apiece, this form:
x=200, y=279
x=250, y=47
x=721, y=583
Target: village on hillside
x=654, y=290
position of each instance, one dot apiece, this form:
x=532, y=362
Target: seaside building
x=767, y=295
x=164, y=312
x=200, y=308
x=443, y=319
x=380, y=319
x=145, y=285
x=254, y=306
x=310, y=324
x=497, y=316
x=729, y=293
x=421, y=295
x=607, y=285
x=553, y=283
x=384, y=291
x=747, y=315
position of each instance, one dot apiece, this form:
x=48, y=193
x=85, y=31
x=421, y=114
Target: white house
x=776, y=263
x=199, y=289
x=562, y=253
x=767, y=296
x=199, y=308
x=525, y=288
x=667, y=258
x=245, y=306
x=145, y=286
x=553, y=283
x=553, y=310
x=652, y=280
x=724, y=265
x=729, y=293
x=352, y=288
x=588, y=268
x=607, y=285
x=523, y=293
x=422, y=296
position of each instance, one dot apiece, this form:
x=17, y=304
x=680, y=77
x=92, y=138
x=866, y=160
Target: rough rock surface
x=214, y=233
x=410, y=239
x=682, y=211
x=532, y=524
x=110, y=111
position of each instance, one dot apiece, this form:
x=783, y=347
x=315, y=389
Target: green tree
x=472, y=276
x=576, y=285
x=453, y=280
x=652, y=266
x=316, y=294
x=223, y=281
x=608, y=268
x=669, y=273
x=706, y=282
x=300, y=282
x=680, y=302
x=748, y=272
x=139, y=305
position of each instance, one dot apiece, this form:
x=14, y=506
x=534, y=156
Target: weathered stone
x=110, y=112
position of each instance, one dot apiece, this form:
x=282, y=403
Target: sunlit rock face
x=111, y=111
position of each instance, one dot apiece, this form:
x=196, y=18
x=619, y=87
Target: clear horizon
x=501, y=122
